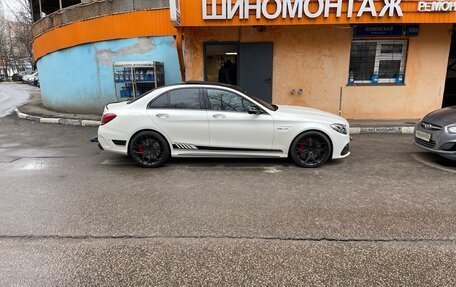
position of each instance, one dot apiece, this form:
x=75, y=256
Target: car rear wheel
x=311, y=149
x=149, y=149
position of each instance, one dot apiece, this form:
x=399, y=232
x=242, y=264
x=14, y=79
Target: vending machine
x=132, y=79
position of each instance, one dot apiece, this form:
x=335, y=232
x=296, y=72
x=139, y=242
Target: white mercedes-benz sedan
x=199, y=119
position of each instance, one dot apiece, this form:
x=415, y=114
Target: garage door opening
x=449, y=95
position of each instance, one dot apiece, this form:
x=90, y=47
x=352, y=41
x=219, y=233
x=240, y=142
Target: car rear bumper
x=106, y=143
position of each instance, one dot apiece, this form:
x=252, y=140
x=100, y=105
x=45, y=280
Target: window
x=220, y=100
x=377, y=61
x=178, y=99
x=161, y=102
x=185, y=99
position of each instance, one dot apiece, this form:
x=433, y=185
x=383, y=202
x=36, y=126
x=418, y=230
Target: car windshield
x=265, y=104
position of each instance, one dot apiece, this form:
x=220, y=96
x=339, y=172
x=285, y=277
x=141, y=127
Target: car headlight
x=340, y=128
x=452, y=130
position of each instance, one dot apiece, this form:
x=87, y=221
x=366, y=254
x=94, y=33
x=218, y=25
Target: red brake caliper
x=301, y=147
x=141, y=149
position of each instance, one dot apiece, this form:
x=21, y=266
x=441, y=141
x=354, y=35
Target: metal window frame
x=379, y=56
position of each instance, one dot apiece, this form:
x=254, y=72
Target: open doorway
x=449, y=95
x=247, y=65
x=221, y=63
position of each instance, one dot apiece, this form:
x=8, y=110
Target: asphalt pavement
x=13, y=95
x=72, y=215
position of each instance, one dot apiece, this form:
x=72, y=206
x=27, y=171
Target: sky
x=14, y=4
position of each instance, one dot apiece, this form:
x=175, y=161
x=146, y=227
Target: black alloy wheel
x=149, y=149
x=311, y=149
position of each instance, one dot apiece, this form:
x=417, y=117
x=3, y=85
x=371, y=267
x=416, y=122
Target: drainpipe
x=41, y=11
x=60, y=4
x=31, y=10
x=180, y=52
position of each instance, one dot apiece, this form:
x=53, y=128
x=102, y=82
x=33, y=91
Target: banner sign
x=378, y=30
x=386, y=30
x=412, y=30
x=289, y=9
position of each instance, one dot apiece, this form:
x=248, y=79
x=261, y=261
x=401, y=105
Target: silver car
x=436, y=132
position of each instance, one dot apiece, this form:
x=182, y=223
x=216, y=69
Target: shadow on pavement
x=435, y=161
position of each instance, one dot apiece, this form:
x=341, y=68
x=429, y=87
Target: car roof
x=208, y=83
x=201, y=83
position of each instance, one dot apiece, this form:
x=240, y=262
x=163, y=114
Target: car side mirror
x=254, y=110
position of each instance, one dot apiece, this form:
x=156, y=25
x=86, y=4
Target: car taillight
x=107, y=118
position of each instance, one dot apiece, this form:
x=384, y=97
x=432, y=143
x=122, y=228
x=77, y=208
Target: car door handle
x=218, y=116
x=162, y=116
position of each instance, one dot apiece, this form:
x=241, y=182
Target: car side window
x=161, y=102
x=221, y=100
x=178, y=99
x=185, y=99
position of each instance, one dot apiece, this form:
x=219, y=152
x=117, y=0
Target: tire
x=149, y=149
x=311, y=149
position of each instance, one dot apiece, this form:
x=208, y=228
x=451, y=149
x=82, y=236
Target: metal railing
x=93, y=9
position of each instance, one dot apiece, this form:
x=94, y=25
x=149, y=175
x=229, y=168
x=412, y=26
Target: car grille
x=448, y=147
x=430, y=144
x=119, y=142
x=429, y=126
x=345, y=150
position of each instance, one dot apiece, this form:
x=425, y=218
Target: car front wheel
x=311, y=149
x=149, y=149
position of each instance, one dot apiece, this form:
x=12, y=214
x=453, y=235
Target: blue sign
x=378, y=30
x=412, y=30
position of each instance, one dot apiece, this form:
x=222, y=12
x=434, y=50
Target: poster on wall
x=174, y=7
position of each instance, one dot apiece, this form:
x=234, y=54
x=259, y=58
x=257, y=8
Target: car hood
x=442, y=117
x=309, y=113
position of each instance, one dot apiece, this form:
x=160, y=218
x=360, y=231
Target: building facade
x=76, y=47
x=366, y=59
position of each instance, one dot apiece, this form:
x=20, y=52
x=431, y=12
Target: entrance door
x=255, y=73
x=449, y=96
x=220, y=62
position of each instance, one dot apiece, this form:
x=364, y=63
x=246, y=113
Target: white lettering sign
x=436, y=6
x=273, y=9
x=390, y=7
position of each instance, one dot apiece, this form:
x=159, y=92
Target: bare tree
x=4, y=45
x=15, y=36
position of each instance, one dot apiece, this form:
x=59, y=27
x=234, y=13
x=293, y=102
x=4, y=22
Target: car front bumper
x=441, y=142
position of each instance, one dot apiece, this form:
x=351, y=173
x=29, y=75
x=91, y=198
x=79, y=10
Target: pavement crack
x=211, y=237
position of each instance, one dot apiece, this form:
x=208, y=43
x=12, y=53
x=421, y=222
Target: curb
x=382, y=130
x=91, y=123
x=60, y=121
